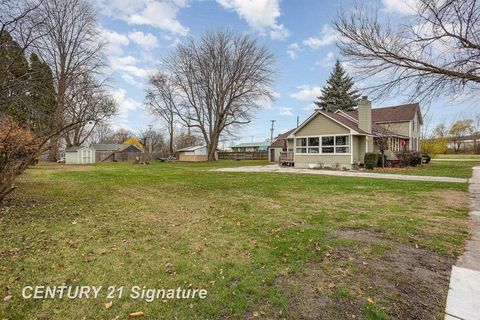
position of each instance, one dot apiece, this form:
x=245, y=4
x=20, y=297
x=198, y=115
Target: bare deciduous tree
x=88, y=105
x=70, y=44
x=162, y=100
x=434, y=52
x=220, y=79
x=151, y=141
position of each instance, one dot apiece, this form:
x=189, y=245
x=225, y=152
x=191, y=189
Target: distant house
x=79, y=155
x=342, y=138
x=279, y=145
x=115, y=152
x=193, y=154
x=251, y=147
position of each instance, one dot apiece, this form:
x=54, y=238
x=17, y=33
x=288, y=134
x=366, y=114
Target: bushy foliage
x=409, y=158
x=133, y=141
x=19, y=148
x=371, y=160
x=434, y=146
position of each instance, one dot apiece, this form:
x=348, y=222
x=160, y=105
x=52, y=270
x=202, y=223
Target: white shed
x=79, y=155
x=193, y=154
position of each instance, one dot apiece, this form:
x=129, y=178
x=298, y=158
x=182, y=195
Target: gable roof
x=126, y=146
x=106, y=146
x=252, y=144
x=400, y=113
x=343, y=121
x=74, y=149
x=192, y=148
x=279, y=141
x=376, y=128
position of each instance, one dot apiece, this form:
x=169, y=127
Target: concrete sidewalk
x=358, y=174
x=458, y=160
x=463, y=301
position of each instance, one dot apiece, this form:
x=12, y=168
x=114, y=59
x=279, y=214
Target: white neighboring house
x=194, y=154
x=79, y=155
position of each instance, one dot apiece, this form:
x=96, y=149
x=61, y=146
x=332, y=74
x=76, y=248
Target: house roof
x=278, y=143
x=349, y=119
x=126, y=146
x=376, y=128
x=73, y=149
x=106, y=146
x=404, y=112
x=192, y=148
x=252, y=144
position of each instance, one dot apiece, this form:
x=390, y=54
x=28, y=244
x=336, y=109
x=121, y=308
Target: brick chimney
x=365, y=114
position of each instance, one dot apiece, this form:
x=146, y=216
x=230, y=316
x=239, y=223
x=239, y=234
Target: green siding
x=321, y=125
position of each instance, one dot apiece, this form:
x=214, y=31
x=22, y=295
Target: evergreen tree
x=13, y=78
x=42, y=95
x=339, y=92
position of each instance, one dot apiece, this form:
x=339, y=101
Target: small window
x=328, y=150
x=314, y=142
x=342, y=149
x=301, y=150
x=341, y=140
x=313, y=150
x=301, y=142
x=328, y=141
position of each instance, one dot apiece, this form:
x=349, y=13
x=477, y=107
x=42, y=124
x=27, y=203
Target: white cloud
x=131, y=80
x=285, y=111
x=328, y=36
x=403, y=7
x=260, y=15
x=293, y=50
x=161, y=14
x=310, y=107
x=127, y=64
x=327, y=61
x=125, y=105
x=115, y=41
x=307, y=93
x=146, y=41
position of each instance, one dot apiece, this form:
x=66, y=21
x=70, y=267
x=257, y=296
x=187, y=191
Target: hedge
x=371, y=160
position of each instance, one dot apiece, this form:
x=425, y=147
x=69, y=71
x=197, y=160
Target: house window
x=325, y=144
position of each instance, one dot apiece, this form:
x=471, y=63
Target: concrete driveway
x=358, y=174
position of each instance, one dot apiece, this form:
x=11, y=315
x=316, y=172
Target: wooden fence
x=256, y=155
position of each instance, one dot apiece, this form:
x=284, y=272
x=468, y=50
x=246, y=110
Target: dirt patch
x=436, y=200
x=369, y=274
x=60, y=167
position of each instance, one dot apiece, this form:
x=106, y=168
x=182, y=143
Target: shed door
x=272, y=155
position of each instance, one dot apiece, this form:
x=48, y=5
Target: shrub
x=371, y=160
x=379, y=162
x=19, y=148
x=409, y=158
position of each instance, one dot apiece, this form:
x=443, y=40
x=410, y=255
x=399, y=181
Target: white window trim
x=320, y=153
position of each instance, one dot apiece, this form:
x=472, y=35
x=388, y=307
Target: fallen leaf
x=331, y=285
x=369, y=299
x=7, y=298
x=108, y=305
x=255, y=314
x=137, y=314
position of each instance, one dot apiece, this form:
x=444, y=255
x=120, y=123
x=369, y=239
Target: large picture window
x=323, y=144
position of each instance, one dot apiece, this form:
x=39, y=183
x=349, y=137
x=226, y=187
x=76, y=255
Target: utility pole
x=271, y=130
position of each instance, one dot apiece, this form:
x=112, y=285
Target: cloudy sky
x=140, y=32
